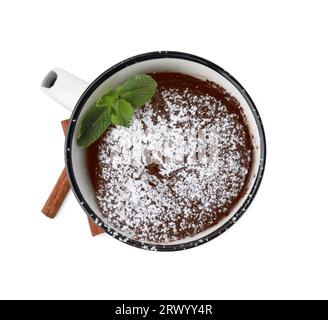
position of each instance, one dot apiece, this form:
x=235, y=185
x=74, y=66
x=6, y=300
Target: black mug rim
x=70, y=134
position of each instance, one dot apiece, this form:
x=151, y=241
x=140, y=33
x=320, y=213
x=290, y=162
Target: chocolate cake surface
x=181, y=166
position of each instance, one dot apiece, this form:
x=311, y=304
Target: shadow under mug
x=77, y=96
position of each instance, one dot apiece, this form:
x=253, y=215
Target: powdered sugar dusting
x=176, y=171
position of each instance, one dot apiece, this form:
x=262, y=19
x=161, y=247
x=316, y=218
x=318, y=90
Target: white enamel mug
x=77, y=96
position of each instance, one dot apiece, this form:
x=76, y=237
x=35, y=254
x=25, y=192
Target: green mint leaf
x=94, y=123
x=122, y=113
x=108, y=99
x=137, y=90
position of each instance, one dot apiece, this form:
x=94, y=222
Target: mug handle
x=63, y=87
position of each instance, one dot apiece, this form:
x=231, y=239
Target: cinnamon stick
x=57, y=196
x=64, y=125
x=60, y=190
x=95, y=230
x=59, y=193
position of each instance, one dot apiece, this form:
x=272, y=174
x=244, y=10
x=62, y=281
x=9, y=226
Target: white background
x=277, y=49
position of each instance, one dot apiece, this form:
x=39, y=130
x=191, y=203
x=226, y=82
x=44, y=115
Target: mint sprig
x=115, y=107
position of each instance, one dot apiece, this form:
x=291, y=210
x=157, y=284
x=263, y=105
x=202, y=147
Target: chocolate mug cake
x=181, y=166
x=171, y=166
